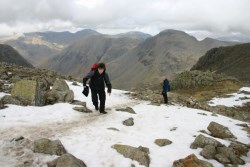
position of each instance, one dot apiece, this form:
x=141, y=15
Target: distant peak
x=208, y=39
x=87, y=31
x=134, y=34
x=171, y=31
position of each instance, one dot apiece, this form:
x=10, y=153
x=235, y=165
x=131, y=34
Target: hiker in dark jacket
x=97, y=86
x=166, y=89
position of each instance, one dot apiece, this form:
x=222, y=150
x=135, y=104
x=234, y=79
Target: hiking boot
x=96, y=108
x=103, y=112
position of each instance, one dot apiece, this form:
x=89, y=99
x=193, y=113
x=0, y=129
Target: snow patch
x=235, y=99
x=2, y=94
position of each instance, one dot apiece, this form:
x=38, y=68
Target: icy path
x=86, y=135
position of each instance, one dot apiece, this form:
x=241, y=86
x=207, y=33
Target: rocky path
x=91, y=136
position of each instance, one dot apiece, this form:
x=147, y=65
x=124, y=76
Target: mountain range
x=78, y=57
x=132, y=58
x=164, y=55
x=39, y=46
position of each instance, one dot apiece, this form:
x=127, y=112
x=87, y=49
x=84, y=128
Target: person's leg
x=94, y=98
x=165, y=97
x=102, y=98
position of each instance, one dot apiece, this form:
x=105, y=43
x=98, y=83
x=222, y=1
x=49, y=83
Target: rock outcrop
x=198, y=79
x=191, y=161
x=38, y=93
x=47, y=146
x=231, y=60
x=138, y=154
x=208, y=152
x=7, y=99
x=220, y=131
x=212, y=149
x=59, y=93
x=67, y=160
x=128, y=122
x=230, y=155
x=30, y=92
x=201, y=141
x=25, y=152
x=162, y=142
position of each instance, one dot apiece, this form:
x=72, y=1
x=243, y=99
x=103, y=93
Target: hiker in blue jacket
x=166, y=89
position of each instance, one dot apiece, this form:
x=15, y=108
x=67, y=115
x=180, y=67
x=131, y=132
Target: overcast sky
x=209, y=17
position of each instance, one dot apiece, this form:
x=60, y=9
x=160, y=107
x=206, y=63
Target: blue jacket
x=166, y=86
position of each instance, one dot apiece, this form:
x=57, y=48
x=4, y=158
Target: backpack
x=94, y=67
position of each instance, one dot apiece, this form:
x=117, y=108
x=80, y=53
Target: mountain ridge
x=77, y=58
x=231, y=60
x=10, y=55
x=166, y=54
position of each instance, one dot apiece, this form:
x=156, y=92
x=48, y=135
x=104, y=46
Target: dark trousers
x=102, y=97
x=165, y=96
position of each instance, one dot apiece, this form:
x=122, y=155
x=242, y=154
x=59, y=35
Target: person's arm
x=107, y=81
x=87, y=77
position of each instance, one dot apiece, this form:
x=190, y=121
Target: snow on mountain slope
x=235, y=99
x=87, y=136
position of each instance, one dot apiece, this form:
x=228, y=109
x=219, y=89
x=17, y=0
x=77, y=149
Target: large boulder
x=60, y=85
x=191, y=161
x=50, y=79
x=137, y=154
x=43, y=84
x=7, y=99
x=69, y=96
x=201, y=141
x=64, y=96
x=230, y=154
x=52, y=163
x=219, y=131
x=47, y=146
x=29, y=92
x=239, y=149
x=54, y=96
x=59, y=93
x=67, y=160
x=208, y=152
x=51, y=97
x=222, y=159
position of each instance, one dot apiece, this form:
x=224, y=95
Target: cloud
x=113, y=16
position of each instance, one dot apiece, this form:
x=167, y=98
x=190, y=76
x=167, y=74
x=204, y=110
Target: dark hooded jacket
x=97, y=80
x=166, y=86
